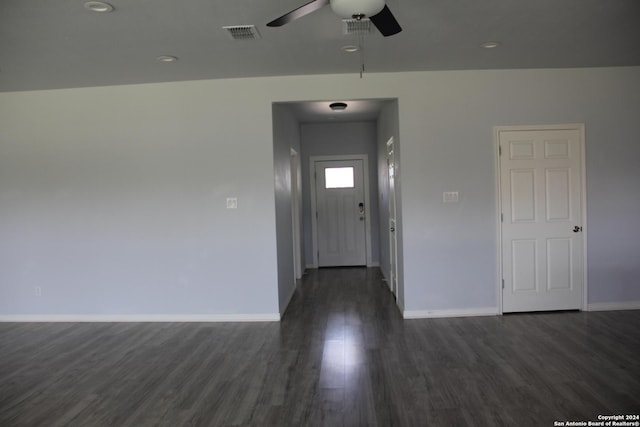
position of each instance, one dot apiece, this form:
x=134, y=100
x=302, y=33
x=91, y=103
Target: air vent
x=355, y=26
x=243, y=32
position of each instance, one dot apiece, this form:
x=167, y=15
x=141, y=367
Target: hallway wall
x=324, y=139
x=286, y=136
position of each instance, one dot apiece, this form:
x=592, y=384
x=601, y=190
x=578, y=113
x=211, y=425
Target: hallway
x=342, y=356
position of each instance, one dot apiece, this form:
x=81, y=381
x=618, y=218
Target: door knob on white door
x=577, y=229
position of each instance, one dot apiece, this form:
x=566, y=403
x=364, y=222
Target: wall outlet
x=38, y=291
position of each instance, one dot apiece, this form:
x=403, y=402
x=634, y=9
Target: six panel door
x=541, y=190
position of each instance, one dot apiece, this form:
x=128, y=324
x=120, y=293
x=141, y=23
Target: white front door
x=541, y=199
x=340, y=212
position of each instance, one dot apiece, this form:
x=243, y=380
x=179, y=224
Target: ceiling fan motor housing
x=353, y=8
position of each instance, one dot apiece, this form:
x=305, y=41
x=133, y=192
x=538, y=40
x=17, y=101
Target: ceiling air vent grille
x=243, y=32
x=355, y=26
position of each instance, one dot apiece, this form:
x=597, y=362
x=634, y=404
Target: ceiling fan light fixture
x=338, y=106
x=357, y=9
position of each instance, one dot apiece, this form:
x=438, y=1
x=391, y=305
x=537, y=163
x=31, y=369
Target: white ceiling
x=46, y=44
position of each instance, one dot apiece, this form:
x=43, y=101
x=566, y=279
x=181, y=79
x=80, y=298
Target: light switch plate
x=450, y=197
x=232, y=203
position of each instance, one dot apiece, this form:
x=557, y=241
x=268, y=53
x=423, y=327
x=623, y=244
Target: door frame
x=583, y=174
x=296, y=213
x=367, y=218
x=393, y=237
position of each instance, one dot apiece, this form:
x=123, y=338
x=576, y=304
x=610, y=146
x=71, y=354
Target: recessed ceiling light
x=98, y=6
x=338, y=106
x=167, y=58
x=350, y=48
x=490, y=45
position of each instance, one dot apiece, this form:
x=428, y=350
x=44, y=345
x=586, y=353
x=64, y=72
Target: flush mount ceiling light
x=98, y=6
x=350, y=48
x=338, y=106
x=357, y=9
x=490, y=45
x=166, y=58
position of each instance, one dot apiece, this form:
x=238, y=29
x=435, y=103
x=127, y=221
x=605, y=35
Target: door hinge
x=316, y=214
x=499, y=150
x=501, y=217
x=502, y=283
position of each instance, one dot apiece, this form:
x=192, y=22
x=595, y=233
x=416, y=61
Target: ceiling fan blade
x=385, y=22
x=298, y=13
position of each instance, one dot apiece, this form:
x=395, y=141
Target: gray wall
x=286, y=136
x=323, y=139
x=447, y=145
x=113, y=199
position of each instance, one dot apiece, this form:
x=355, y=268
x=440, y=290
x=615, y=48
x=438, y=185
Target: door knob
x=392, y=229
x=577, y=229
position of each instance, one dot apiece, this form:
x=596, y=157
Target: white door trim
x=314, y=220
x=296, y=214
x=393, y=212
x=496, y=143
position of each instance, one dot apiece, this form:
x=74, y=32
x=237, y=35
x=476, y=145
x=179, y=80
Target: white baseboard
x=462, y=312
x=315, y=267
x=609, y=306
x=266, y=317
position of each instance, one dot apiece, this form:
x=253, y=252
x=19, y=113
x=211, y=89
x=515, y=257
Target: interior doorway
x=312, y=130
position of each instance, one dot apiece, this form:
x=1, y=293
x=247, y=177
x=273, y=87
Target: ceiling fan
x=375, y=10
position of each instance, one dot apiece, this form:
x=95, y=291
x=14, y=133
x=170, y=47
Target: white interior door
x=541, y=191
x=393, y=252
x=340, y=212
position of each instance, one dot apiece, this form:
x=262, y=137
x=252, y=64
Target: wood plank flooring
x=342, y=356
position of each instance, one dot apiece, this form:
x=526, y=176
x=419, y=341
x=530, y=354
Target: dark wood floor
x=342, y=356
